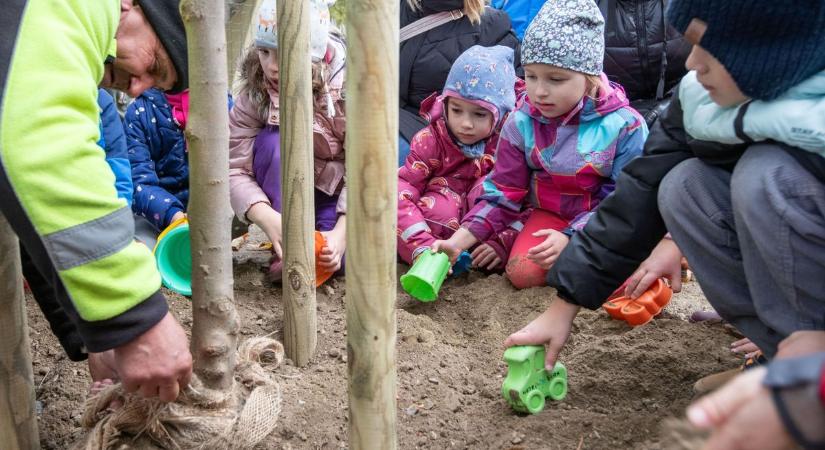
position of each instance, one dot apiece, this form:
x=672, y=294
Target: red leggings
x=521, y=271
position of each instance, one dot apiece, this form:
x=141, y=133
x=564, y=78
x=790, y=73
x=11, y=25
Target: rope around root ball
x=243, y=417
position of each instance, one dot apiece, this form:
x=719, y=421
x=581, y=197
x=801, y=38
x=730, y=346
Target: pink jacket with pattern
x=436, y=163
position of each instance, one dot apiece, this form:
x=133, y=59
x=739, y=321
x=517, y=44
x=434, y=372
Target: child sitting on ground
x=561, y=150
x=448, y=160
x=254, y=140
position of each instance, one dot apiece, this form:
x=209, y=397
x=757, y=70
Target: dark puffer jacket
x=628, y=225
x=425, y=60
x=636, y=38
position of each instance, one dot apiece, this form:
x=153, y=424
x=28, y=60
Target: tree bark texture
x=18, y=425
x=297, y=178
x=215, y=322
x=372, y=177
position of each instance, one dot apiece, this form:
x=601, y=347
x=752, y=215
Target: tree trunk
x=297, y=177
x=372, y=179
x=238, y=28
x=215, y=322
x=18, y=425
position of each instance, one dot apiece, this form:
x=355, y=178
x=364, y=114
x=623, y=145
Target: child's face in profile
x=709, y=71
x=468, y=122
x=552, y=90
x=269, y=62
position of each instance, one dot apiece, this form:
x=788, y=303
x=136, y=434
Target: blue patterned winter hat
x=484, y=75
x=567, y=34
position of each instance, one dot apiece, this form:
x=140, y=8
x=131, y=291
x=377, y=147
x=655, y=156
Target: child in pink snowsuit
x=448, y=159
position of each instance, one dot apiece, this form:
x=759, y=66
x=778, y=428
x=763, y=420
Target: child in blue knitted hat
x=735, y=170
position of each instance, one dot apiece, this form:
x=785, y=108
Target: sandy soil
x=624, y=383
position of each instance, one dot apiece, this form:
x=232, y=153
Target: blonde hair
x=253, y=81
x=473, y=9
x=593, y=85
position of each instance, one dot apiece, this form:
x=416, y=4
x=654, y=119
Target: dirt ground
x=624, y=383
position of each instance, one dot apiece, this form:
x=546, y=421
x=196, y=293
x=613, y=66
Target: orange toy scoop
x=321, y=274
x=641, y=310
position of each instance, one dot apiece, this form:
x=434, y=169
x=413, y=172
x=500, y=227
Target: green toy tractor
x=527, y=383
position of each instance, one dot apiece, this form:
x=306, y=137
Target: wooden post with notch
x=297, y=180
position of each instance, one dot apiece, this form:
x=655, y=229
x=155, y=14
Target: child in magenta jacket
x=441, y=177
x=561, y=150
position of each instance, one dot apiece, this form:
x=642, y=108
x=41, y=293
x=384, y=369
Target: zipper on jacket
x=641, y=34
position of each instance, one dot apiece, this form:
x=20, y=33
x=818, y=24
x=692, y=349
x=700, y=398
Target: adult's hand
x=742, y=415
x=156, y=363
x=801, y=343
x=102, y=366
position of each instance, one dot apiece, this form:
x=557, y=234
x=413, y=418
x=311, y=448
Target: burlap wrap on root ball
x=201, y=418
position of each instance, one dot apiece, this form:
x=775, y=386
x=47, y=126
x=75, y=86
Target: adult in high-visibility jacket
x=58, y=192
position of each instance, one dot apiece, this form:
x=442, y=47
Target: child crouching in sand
x=735, y=171
x=254, y=140
x=441, y=177
x=561, y=150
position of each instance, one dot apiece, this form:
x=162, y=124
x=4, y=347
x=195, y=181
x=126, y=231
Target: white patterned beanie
x=567, y=34
x=266, y=34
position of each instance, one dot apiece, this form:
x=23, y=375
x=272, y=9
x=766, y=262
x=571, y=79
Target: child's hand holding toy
x=665, y=261
x=336, y=244
x=551, y=328
x=460, y=241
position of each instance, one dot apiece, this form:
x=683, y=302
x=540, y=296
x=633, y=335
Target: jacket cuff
x=479, y=230
x=794, y=385
x=73, y=346
x=167, y=219
x=107, y=334
x=564, y=295
x=243, y=218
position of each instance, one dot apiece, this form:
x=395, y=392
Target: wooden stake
x=238, y=32
x=372, y=178
x=215, y=323
x=297, y=180
x=18, y=425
